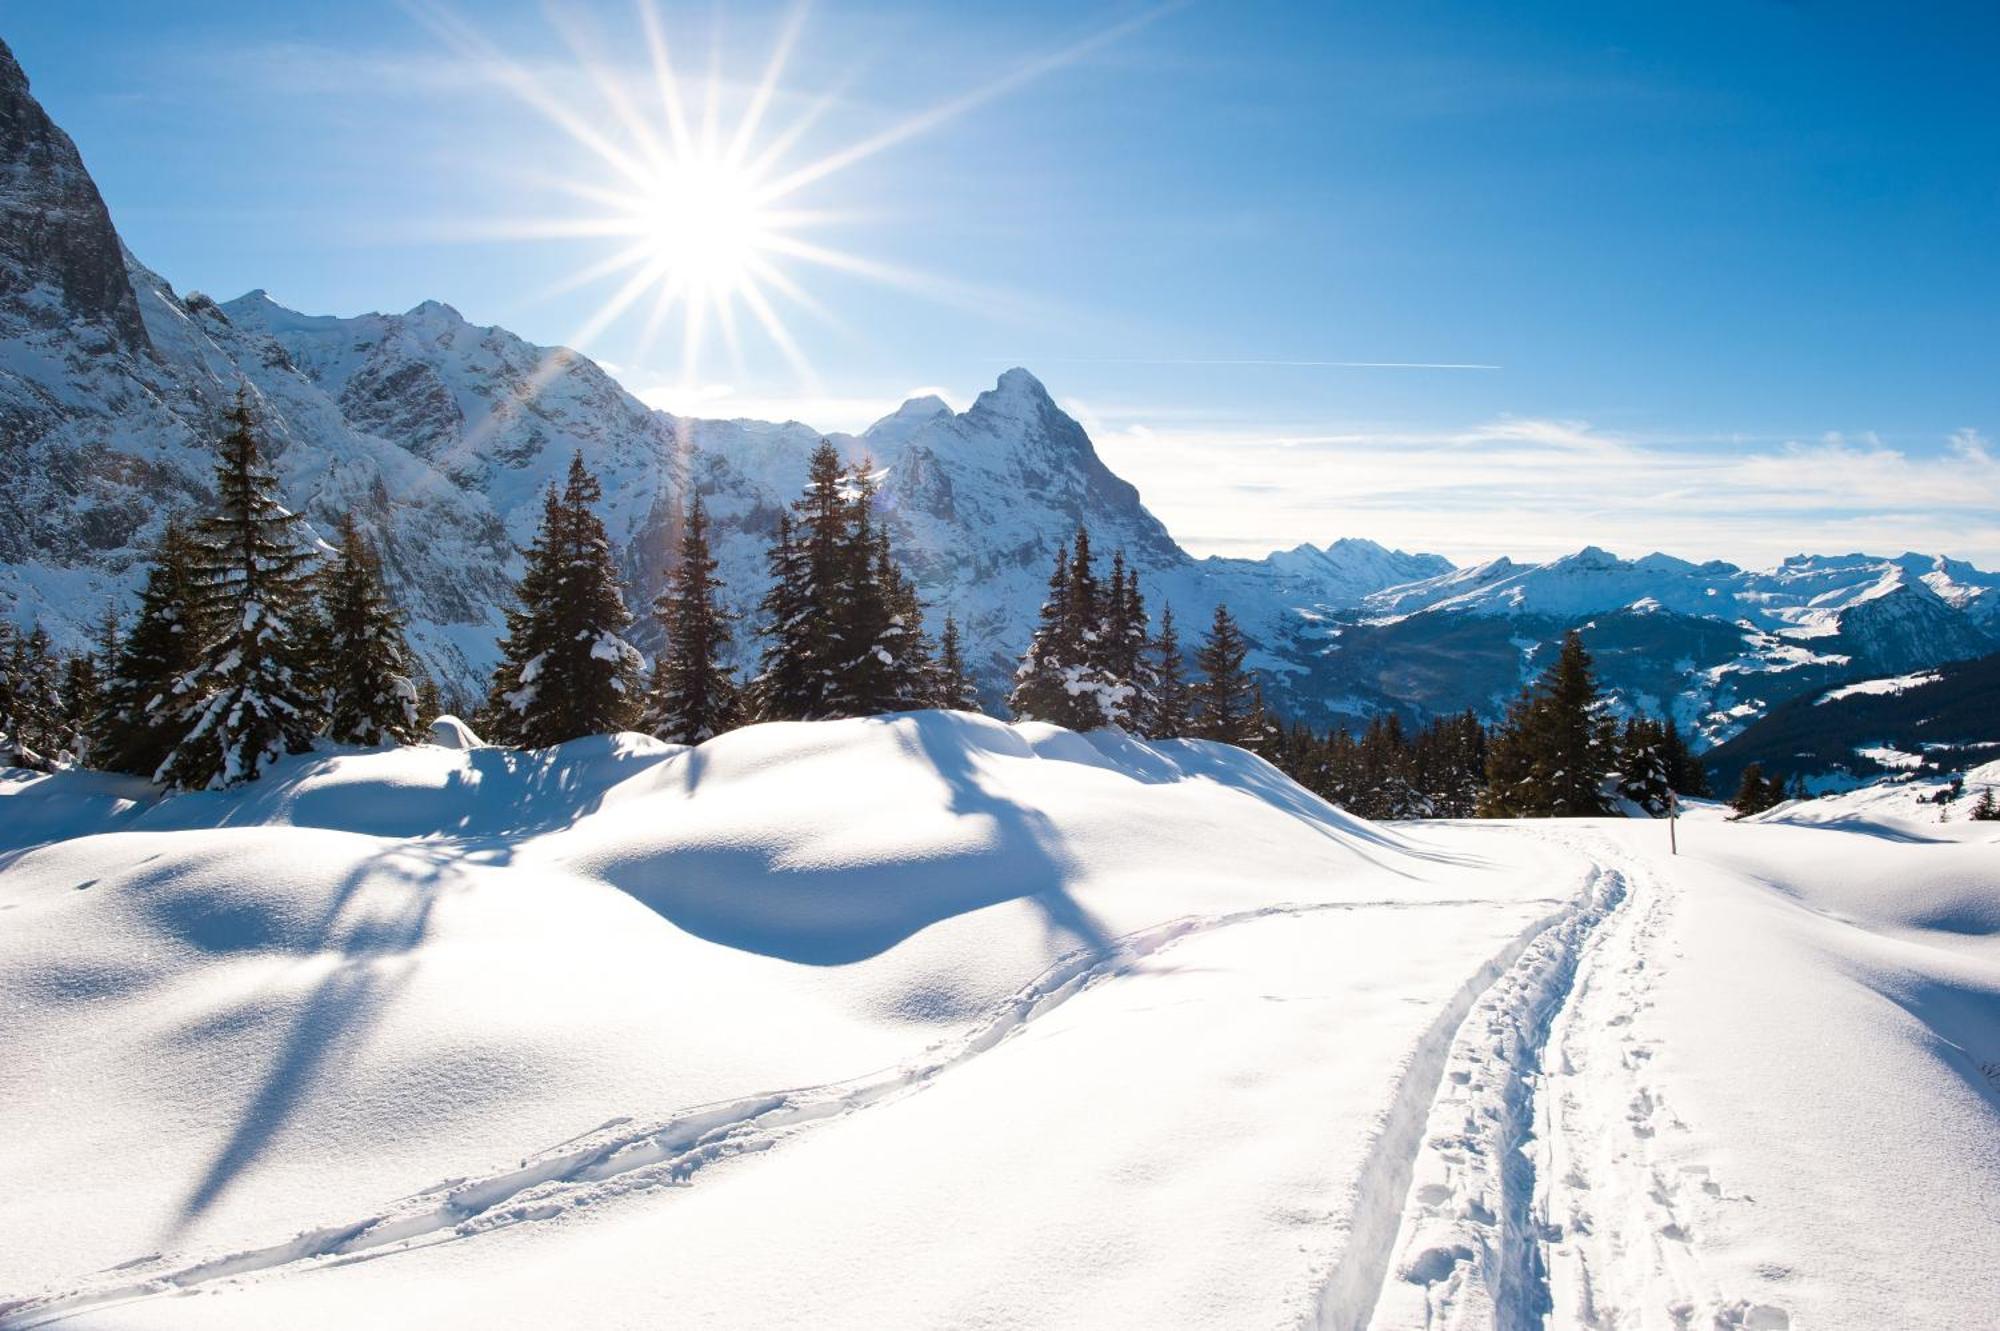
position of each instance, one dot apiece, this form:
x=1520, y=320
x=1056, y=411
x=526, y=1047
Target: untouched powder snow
x=935, y=1021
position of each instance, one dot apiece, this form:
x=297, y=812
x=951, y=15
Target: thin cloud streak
x=1535, y=489
x=1275, y=364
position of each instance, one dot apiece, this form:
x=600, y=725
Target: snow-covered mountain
x=440, y=435
x=1712, y=644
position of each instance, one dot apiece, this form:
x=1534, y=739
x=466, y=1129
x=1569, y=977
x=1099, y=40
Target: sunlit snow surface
x=935, y=1021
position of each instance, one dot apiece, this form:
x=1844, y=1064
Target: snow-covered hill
x=933, y=1021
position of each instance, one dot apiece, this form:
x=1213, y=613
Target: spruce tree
x=783, y=689
x=1986, y=808
x=1755, y=793
x=692, y=697
x=31, y=703
x=134, y=729
x=1067, y=675
x=1167, y=713
x=843, y=628
x=882, y=659
x=1685, y=772
x=1041, y=690
x=1643, y=776
x=243, y=705
x=1226, y=704
x=82, y=694
x=1554, y=754
x=366, y=669
x=954, y=691
x=565, y=670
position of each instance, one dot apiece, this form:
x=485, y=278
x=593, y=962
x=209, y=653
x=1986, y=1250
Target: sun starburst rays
x=697, y=199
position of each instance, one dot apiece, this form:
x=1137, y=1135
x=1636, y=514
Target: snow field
x=934, y=1021
x=239, y=1046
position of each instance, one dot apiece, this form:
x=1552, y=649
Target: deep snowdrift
x=540, y=976
x=936, y=1021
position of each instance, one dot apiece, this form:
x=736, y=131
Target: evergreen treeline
x=250, y=643
x=1557, y=755
x=1093, y=662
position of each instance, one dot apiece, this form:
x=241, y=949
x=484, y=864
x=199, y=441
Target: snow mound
x=235, y=1017
x=448, y=732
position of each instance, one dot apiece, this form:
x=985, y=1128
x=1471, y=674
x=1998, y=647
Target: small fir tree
x=1756, y=793
x=1227, y=706
x=566, y=670
x=692, y=697
x=134, y=730
x=1167, y=714
x=954, y=686
x=365, y=673
x=244, y=704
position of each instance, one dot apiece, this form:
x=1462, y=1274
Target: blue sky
x=1734, y=262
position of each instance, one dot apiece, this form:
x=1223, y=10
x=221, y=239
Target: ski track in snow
x=1539, y=1196
x=1467, y=1249
x=617, y=1159
x=1622, y=1226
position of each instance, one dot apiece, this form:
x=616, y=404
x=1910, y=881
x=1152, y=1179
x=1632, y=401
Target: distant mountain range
x=439, y=435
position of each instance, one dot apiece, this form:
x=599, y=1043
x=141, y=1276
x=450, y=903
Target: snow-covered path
x=1111, y=1035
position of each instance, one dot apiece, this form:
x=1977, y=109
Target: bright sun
x=705, y=227
x=701, y=213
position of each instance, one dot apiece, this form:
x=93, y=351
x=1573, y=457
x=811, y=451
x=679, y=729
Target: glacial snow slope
x=934, y=1021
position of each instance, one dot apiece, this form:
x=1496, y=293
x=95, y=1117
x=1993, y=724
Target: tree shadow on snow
x=742, y=896
x=373, y=926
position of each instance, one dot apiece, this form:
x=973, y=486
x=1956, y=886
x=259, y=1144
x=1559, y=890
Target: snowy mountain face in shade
x=440, y=435
x=1711, y=644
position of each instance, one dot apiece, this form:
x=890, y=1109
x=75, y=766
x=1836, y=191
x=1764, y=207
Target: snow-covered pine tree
x=532, y=629
x=1685, y=772
x=912, y=668
x=783, y=688
x=1642, y=766
x=807, y=626
x=242, y=706
x=10, y=744
x=1557, y=750
x=32, y=732
x=1167, y=715
x=1039, y=692
x=1128, y=697
x=692, y=696
x=881, y=659
x=953, y=686
x=82, y=694
x=566, y=671
x=1065, y=676
x=1225, y=702
x=366, y=670
x=134, y=730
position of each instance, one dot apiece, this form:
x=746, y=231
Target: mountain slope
x=439, y=435
x=1873, y=727
x=1711, y=644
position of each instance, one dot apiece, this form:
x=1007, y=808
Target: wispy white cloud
x=1535, y=488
